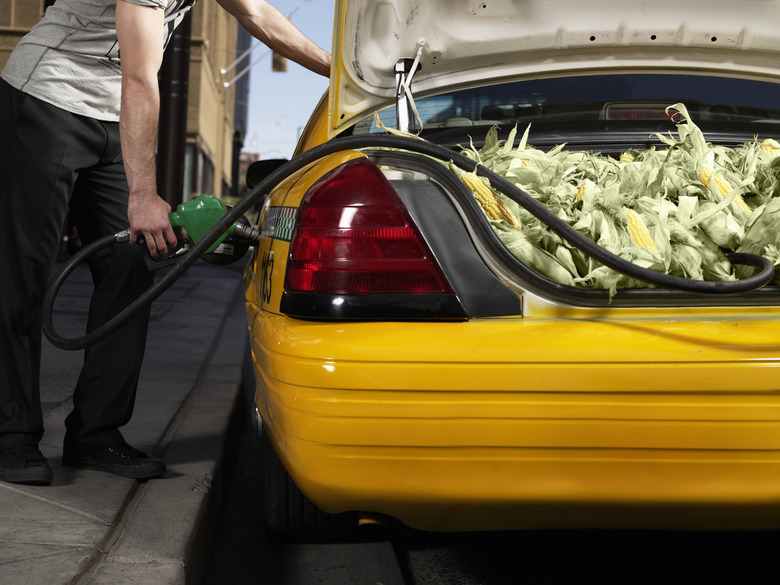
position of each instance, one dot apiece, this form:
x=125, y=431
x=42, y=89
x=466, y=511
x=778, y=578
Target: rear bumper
x=453, y=430
x=464, y=489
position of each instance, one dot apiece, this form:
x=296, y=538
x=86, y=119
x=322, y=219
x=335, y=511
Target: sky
x=280, y=103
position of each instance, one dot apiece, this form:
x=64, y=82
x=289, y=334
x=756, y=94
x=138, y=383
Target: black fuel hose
x=621, y=265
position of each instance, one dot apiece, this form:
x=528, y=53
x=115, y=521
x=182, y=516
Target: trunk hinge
x=407, y=117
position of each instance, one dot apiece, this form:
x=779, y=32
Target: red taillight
x=354, y=236
x=634, y=112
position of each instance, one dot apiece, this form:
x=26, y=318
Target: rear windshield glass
x=593, y=98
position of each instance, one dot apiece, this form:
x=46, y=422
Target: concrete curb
x=163, y=537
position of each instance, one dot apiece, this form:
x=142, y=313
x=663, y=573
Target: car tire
x=289, y=515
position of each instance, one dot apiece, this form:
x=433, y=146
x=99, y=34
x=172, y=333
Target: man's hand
x=149, y=218
x=140, y=33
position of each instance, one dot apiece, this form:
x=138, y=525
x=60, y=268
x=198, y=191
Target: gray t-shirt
x=70, y=59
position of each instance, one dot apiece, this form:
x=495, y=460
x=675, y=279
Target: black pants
x=51, y=159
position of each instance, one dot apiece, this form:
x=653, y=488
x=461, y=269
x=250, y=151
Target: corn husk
x=691, y=217
x=763, y=236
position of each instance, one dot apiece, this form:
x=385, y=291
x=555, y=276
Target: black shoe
x=120, y=459
x=24, y=464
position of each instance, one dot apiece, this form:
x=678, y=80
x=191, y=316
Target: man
x=78, y=130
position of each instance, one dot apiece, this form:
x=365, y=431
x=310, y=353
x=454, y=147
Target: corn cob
x=771, y=146
x=717, y=184
x=640, y=235
x=492, y=205
x=626, y=157
x=707, y=168
x=586, y=184
x=720, y=185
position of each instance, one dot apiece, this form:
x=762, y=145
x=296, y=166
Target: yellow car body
x=557, y=416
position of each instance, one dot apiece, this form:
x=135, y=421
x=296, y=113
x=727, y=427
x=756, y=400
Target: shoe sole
x=28, y=476
x=126, y=471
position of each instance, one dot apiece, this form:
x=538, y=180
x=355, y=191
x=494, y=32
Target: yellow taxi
x=409, y=364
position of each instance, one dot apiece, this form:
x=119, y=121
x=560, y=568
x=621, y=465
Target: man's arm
x=267, y=24
x=140, y=33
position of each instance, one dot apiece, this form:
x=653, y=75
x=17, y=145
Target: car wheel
x=289, y=515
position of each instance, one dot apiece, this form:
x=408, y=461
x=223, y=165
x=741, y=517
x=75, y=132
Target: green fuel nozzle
x=196, y=218
x=199, y=215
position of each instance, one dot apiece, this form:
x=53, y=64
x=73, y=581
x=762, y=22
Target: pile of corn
x=674, y=209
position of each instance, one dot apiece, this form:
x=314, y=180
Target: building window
x=198, y=172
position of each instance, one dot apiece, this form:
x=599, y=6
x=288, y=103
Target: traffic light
x=278, y=63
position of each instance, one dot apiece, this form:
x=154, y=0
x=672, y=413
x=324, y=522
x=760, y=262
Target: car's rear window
x=597, y=98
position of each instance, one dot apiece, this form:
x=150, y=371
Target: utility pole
x=172, y=137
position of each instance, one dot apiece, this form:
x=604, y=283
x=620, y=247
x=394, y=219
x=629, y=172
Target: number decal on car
x=265, y=281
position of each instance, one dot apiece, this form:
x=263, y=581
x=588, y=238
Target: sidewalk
x=92, y=528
